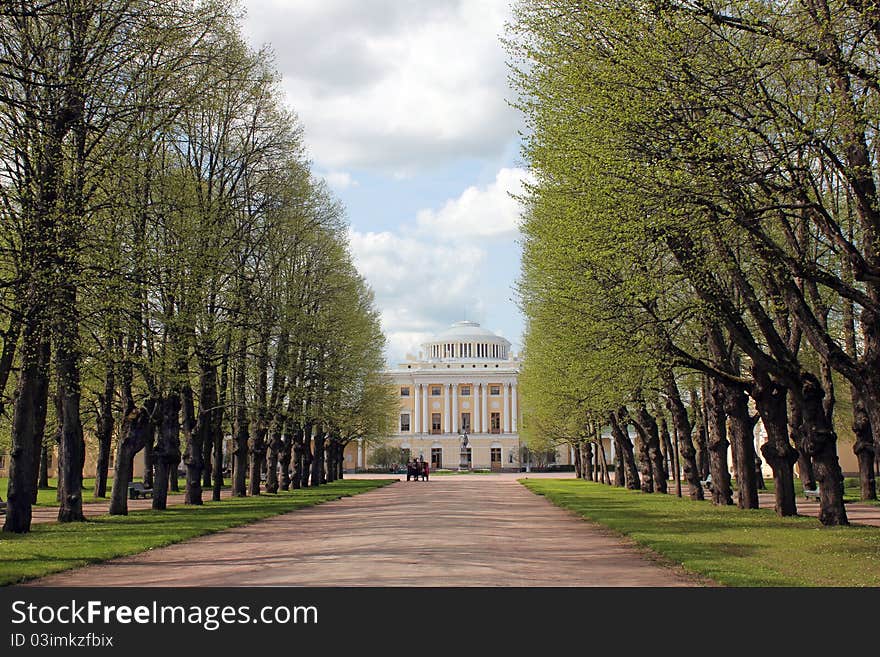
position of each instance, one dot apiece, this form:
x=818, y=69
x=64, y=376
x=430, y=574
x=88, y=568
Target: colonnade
x=452, y=406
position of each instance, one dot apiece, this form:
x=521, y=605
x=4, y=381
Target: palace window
x=435, y=422
x=404, y=422
x=404, y=391
x=495, y=423
x=466, y=422
x=435, y=391
x=495, y=457
x=495, y=390
x=436, y=458
x=465, y=391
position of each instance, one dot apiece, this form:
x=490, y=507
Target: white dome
x=467, y=340
x=463, y=330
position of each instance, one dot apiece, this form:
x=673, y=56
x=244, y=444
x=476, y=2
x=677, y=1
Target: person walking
x=425, y=470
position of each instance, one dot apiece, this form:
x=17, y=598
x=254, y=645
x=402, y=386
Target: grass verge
x=731, y=546
x=48, y=496
x=53, y=547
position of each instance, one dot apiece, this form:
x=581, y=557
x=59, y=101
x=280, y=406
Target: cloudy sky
x=406, y=115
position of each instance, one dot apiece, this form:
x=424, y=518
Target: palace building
x=463, y=382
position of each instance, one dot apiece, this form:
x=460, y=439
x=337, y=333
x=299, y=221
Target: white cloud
x=450, y=263
x=340, y=179
x=396, y=85
x=417, y=283
x=490, y=211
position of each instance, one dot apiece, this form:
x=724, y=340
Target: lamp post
x=464, y=461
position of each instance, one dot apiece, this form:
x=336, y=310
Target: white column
x=475, y=416
x=455, y=416
x=505, y=407
x=417, y=416
x=513, y=407
x=426, y=416
x=360, y=452
x=447, y=409
x=485, y=408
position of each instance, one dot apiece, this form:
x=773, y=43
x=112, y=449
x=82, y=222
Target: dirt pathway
x=451, y=531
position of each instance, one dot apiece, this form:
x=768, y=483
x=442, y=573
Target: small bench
x=136, y=489
x=808, y=493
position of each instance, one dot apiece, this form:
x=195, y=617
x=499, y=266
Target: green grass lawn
x=729, y=545
x=46, y=496
x=851, y=490
x=52, y=547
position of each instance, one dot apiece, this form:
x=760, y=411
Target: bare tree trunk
x=22, y=484
x=717, y=444
x=759, y=473
x=217, y=419
x=7, y=356
x=286, y=453
x=72, y=445
x=666, y=443
x=332, y=459
x=174, y=475
x=318, y=457
x=682, y=427
x=149, y=463
x=192, y=458
x=646, y=426
x=771, y=402
x=299, y=466
x=167, y=449
x=240, y=448
x=647, y=475
x=274, y=448
x=587, y=459
x=863, y=447
x=624, y=447
x=41, y=405
x=207, y=465
x=619, y=476
x=820, y=442
x=699, y=434
x=257, y=441
x=306, y=456
x=804, y=462
x=603, y=462
x=578, y=469
x=742, y=438
x=104, y=433
x=136, y=432
x=44, y=466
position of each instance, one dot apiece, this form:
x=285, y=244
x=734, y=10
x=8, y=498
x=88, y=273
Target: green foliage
x=699, y=170
x=204, y=252
x=386, y=456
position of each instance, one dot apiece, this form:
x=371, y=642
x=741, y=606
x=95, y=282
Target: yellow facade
x=464, y=382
